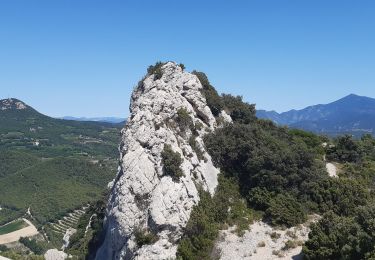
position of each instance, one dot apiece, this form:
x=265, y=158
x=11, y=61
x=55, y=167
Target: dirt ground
x=28, y=231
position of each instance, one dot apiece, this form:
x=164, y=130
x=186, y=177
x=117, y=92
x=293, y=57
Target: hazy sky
x=83, y=57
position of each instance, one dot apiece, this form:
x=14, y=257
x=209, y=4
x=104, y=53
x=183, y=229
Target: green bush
x=285, y=210
x=335, y=237
x=184, y=120
x=143, y=237
x=202, y=230
x=345, y=150
x=172, y=161
x=275, y=166
x=33, y=245
x=240, y=111
x=156, y=70
x=213, y=99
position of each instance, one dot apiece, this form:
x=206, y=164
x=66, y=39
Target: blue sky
x=83, y=57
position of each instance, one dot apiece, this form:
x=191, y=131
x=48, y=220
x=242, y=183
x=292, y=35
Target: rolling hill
x=352, y=114
x=51, y=166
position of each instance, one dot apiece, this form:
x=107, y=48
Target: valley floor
x=28, y=231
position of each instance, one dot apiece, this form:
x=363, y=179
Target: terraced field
x=68, y=221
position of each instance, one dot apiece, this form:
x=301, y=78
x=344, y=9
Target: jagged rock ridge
x=143, y=197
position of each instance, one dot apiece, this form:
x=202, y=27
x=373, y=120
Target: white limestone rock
x=54, y=254
x=142, y=196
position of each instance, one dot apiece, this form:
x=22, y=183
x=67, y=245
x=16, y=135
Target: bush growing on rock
x=156, y=70
x=213, y=99
x=172, y=161
x=184, y=120
x=144, y=237
x=210, y=215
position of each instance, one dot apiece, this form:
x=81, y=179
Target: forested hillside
x=50, y=167
x=278, y=174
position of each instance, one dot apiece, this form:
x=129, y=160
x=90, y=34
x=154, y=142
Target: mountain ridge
x=352, y=114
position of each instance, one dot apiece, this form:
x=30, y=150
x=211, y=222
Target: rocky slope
x=144, y=199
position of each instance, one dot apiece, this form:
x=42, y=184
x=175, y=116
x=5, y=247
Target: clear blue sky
x=83, y=57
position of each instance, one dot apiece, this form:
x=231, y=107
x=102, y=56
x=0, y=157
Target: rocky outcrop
x=54, y=254
x=143, y=198
x=12, y=103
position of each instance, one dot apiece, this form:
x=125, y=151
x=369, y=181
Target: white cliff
x=143, y=197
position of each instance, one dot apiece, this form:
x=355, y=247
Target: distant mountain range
x=114, y=120
x=352, y=114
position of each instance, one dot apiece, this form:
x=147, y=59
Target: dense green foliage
x=10, y=161
x=281, y=173
x=338, y=237
x=85, y=243
x=33, y=245
x=213, y=99
x=344, y=150
x=278, y=172
x=171, y=163
x=52, y=166
x=348, y=233
x=211, y=214
x=54, y=186
x=241, y=112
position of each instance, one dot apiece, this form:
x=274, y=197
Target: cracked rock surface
x=142, y=196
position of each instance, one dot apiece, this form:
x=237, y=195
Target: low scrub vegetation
x=171, y=163
x=226, y=207
x=156, y=70
x=144, y=237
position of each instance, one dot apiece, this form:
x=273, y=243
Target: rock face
x=12, y=103
x=54, y=254
x=143, y=198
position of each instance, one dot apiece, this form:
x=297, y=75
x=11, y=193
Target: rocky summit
x=167, y=110
x=12, y=103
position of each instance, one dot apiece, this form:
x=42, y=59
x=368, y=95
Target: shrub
x=156, y=70
x=285, y=210
x=275, y=235
x=290, y=244
x=33, y=245
x=194, y=145
x=210, y=215
x=344, y=150
x=213, y=99
x=184, y=120
x=335, y=237
x=240, y=111
x=172, y=162
x=143, y=237
x=182, y=66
